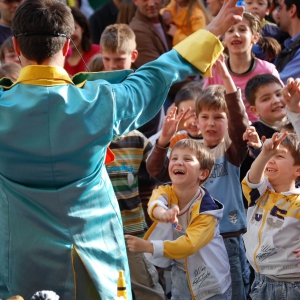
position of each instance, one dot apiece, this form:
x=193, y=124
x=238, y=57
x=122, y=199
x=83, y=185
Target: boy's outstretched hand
x=297, y=252
x=291, y=95
x=166, y=215
x=138, y=245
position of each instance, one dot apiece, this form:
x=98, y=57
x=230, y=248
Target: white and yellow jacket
x=202, y=247
x=273, y=230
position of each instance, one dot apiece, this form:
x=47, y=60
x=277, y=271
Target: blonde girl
x=184, y=17
x=241, y=63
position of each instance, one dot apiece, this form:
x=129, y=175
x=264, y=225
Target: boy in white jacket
x=186, y=228
x=273, y=227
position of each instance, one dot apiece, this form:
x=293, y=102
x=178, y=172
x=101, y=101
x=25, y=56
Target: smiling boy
x=264, y=94
x=186, y=228
x=272, y=238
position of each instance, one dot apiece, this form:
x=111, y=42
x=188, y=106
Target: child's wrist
x=162, y=142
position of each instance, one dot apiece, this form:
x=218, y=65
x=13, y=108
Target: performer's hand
x=138, y=245
x=228, y=15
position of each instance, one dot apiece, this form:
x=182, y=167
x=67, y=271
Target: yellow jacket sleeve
x=201, y=49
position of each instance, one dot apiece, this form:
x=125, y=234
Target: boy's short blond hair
x=203, y=154
x=118, y=38
x=211, y=98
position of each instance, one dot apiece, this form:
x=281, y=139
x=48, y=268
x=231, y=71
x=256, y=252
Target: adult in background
x=103, y=16
x=82, y=40
x=7, y=11
x=288, y=61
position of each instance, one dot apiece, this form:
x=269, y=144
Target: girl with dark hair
x=82, y=39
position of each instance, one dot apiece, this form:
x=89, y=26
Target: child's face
x=213, y=125
x=184, y=168
x=239, y=38
x=280, y=168
x=258, y=7
x=191, y=125
x=117, y=60
x=268, y=103
x=10, y=56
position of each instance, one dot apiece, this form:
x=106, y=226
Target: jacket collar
x=44, y=75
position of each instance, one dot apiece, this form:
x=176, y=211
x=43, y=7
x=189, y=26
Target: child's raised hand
x=252, y=137
x=221, y=68
x=138, y=245
x=271, y=146
x=297, y=252
x=170, y=126
x=187, y=119
x=172, y=29
x=291, y=95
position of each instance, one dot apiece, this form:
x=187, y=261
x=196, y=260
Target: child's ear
x=254, y=110
x=297, y=172
x=134, y=55
x=203, y=174
x=255, y=38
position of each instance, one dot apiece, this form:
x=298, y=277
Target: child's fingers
x=129, y=237
x=297, y=252
x=280, y=137
x=289, y=81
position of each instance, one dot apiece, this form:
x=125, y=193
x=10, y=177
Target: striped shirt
x=130, y=151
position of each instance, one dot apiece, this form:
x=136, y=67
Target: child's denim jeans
x=264, y=287
x=180, y=288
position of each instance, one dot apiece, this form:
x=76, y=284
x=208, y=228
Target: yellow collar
x=44, y=75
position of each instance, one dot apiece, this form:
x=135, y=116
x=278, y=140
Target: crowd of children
x=224, y=169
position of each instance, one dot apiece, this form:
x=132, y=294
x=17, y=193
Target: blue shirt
x=292, y=69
